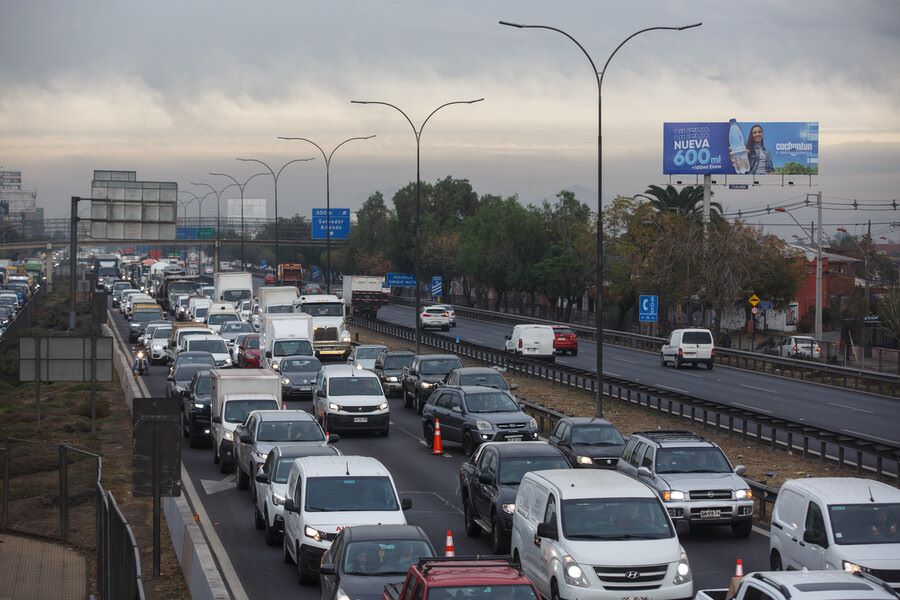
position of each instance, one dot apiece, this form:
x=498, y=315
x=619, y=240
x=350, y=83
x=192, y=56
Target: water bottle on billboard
x=738, y=148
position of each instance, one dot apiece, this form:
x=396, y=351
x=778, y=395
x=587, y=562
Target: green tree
x=687, y=202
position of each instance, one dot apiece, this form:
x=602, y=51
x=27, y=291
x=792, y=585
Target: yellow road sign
x=753, y=300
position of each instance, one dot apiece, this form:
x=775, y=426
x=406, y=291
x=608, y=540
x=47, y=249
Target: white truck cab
x=284, y=335
x=220, y=312
x=330, y=334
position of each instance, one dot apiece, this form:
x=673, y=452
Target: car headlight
x=743, y=494
x=262, y=456
x=483, y=425
x=158, y=347
x=333, y=406
x=425, y=385
x=391, y=379
x=359, y=366
x=509, y=508
x=313, y=533
x=573, y=573
x=672, y=495
x=227, y=361
x=275, y=365
x=228, y=435
x=285, y=381
x=341, y=595
x=346, y=338
x=198, y=405
x=277, y=500
x=682, y=570
x=853, y=567
x=383, y=406
x=532, y=423
x=584, y=460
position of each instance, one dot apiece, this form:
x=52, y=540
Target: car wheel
x=271, y=532
x=304, y=577
x=775, y=561
x=285, y=554
x=742, y=529
x=468, y=444
x=575, y=352
x=419, y=404
x=193, y=440
x=498, y=544
x=224, y=468
x=709, y=366
x=243, y=480
x=215, y=454
x=407, y=400
x=662, y=360
x=473, y=529
x=428, y=434
x=185, y=432
x=258, y=519
x=385, y=432
x=677, y=362
x=554, y=590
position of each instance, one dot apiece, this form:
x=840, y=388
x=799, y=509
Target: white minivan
x=689, y=347
x=595, y=534
x=837, y=523
x=325, y=494
x=534, y=341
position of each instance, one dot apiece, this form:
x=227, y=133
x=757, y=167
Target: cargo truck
x=235, y=394
x=275, y=300
x=365, y=294
x=232, y=287
x=284, y=335
x=290, y=274
x=330, y=335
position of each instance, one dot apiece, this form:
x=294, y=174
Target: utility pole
x=866, y=265
x=819, y=299
x=707, y=195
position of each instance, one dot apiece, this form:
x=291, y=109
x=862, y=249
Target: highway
x=839, y=409
x=430, y=481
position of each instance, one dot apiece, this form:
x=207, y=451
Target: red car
x=565, y=341
x=269, y=279
x=248, y=352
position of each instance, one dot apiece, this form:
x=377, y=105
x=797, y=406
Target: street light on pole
x=418, y=134
x=185, y=204
x=865, y=256
x=240, y=186
x=199, y=200
x=327, y=197
x=598, y=75
x=817, y=242
x=218, y=194
x=275, y=177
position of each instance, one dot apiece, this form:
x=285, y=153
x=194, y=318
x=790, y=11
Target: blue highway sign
x=339, y=223
x=648, y=309
x=401, y=280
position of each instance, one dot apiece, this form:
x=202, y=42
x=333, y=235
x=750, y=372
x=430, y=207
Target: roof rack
x=426, y=563
x=668, y=434
x=779, y=586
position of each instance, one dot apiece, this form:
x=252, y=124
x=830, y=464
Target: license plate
x=634, y=597
x=514, y=438
x=364, y=420
x=710, y=514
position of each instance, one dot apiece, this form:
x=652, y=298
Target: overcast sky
x=174, y=90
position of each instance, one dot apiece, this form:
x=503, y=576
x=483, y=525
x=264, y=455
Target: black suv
x=195, y=409
x=487, y=376
x=389, y=368
x=489, y=482
x=424, y=374
x=588, y=442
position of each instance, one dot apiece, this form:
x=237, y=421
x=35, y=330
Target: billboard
x=741, y=148
x=254, y=208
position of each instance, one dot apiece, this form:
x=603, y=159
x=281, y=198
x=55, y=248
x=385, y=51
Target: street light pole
x=185, y=204
x=598, y=75
x=865, y=256
x=327, y=198
x=199, y=200
x=275, y=177
x=218, y=194
x=817, y=242
x=418, y=134
x=240, y=186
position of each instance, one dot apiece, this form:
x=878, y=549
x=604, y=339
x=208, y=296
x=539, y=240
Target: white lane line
x=675, y=389
x=874, y=437
x=476, y=341
x=619, y=359
x=752, y=408
x=761, y=531
x=758, y=389
x=868, y=412
x=218, y=549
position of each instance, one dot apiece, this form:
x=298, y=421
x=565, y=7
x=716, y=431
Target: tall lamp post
x=598, y=75
x=865, y=256
x=218, y=194
x=327, y=158
x=817, y=242
x=185, y=204
x=418, y=134
x=240, y=186
x=275, y=176
x=199, y=200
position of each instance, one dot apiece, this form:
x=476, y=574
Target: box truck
x=235, y=394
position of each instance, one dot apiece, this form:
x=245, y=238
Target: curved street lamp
x=598, y=75
x=241, y=186
x=418, y=134
x=199, y=200
x=327, y=197
x=275, y=177
x=218, y=194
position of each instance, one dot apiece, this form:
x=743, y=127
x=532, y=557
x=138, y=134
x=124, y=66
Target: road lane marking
x=443, y=500
x=675, y=389
x=758, y=389
x=634, y=362
x=867, y=435
x=214, y=486
x=868, y=412
x=752, y=408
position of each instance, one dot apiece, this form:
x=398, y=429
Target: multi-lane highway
x=430, y=481
x=856, y=413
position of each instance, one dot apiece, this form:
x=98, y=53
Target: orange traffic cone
x=739, y=568
x=735, y=583
x=448, y=547
x=284, y=405
x=437, y=443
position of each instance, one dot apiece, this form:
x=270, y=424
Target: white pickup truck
x=802, y=585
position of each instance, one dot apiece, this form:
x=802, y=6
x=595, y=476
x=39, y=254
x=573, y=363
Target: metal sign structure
x=400, y=280
x=437, y=286
x=65, y=359
x=338, y=222
x=753, y=300
x=648, y=309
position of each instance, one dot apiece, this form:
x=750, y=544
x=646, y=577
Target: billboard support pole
x=707, y=195
x=73, y=260
x=819, y=299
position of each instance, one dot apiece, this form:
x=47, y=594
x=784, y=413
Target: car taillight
x=520, y=342
x=424, y=314
x=712, y=353
x=445, y=315
x=818, y=349
x=680, y=352
x=794, y=349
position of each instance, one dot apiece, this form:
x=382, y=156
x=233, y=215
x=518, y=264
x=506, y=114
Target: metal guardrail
x=859, y=379
x=807, y=440
x=118, y=559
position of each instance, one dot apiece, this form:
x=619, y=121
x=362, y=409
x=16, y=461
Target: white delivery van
x=211, y=343
x=235, y=394
x=688, y=347
x=597, y=534
x=532, y=341
x=220, y=312
x=284, y=335
x=346, y=398
x=275, y=300
x=330, y=335
x=232, y=287
x=328, y=493
x=837, y=523
x=198, y=308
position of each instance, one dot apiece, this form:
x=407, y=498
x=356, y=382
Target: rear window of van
x=696, y=337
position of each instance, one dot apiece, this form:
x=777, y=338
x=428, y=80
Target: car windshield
x=212, y=346
x=323, y=309
x=354, y=386
x=289, y=431
x=485, y=592
x=196, y=359
x=182, y=287
x=384, y=557
x=291, y=365
x=615, y=519
x=563, y=331
x=207, y=290
x=252, y=343
x=203, y=386
x=372, y=352
x=236, y=295
x=290, y=347
x=440, y=367
x=185, y=373
x=338, y=494
x=184, y=300
x=279, y=308
x=161, y=333
x=691, y=460
x=236, y=327
x=145, y=316
x=201, y=311
x=696, y=337
x=490, y=402
x=597, y=435
x=236, y=411
x=398, y=362
x=487, y=379
x=865, y=523
x=220, y=318
x=513, y=469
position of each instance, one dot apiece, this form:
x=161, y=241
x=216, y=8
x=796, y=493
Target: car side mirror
x=268, y=354
x=289, y=505
x=740, y=470
x=246, y=438
x=485, y=478
x=514, y=386
x=262, y=478
x=217, y=419
x=170, y=378
x=508, y=337
x=186, y=393
x=457, y=409
x=644, y=472
x=326, y=569
x=811, y=536
x=333, y=438
x=547, y=530
x=405, y=503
